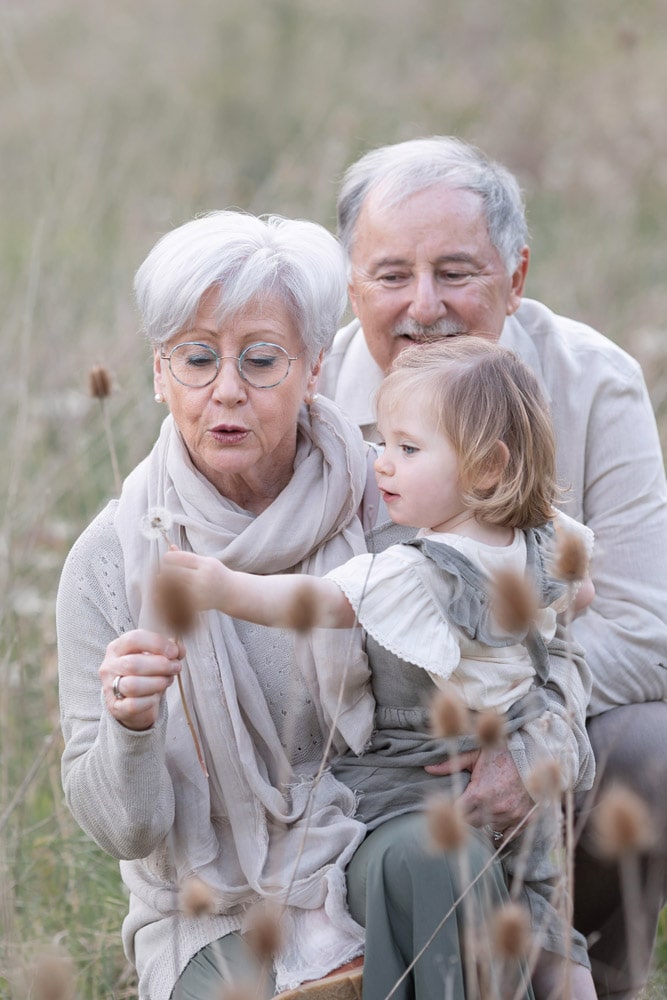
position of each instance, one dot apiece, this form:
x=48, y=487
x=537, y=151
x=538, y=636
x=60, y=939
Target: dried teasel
x=53, y=977
x=510, y=931
x=513, y=601
x=99, y=387
x=449, y=714
x=621, y=823
x=173, y=602
x=544, y=783
x=446, y=824
x=197, y=899
x=302, y=613
x=490, y=729
x=99, y=382
x=237, y=991
x=262, y=930
x=571, y=557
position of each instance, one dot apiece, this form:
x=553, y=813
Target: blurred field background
x=120, y=120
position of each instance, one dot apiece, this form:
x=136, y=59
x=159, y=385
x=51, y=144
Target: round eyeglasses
x=262, y=366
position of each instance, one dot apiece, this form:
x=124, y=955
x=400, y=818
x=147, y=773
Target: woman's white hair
x=406, y=168
x=249, y=259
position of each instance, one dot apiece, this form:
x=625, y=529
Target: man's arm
x=624, y=632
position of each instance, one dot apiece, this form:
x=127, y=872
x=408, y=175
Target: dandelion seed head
x=510, y=931
x=156, y=523
x=621, y=823
x=447, y=827
x=449, y=714
x=513, y=601
x=571, y=557
x=262, y=930
x=173, y=602
x=99, y=382
x=197, y=899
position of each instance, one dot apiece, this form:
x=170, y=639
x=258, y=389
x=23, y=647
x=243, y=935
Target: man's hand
x=496, y=795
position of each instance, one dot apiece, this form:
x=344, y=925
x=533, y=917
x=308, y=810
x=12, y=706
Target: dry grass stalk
x=197, y=899
x=99, y=387
x=447, y=827
x=174, y=604
x=449, y=714
x=571, y=558
x=490, y=729
x=513, y=602
x=621, y=823
x=510, y=931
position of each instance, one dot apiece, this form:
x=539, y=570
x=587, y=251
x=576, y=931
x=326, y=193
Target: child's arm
x=277, y=600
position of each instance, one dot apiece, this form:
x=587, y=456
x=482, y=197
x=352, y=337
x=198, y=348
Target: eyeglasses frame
x=230, y=357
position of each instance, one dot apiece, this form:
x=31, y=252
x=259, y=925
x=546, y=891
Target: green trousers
x=409, y=899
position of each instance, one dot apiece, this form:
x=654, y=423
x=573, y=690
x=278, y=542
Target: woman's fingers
x=138, y=668
x=143, y=641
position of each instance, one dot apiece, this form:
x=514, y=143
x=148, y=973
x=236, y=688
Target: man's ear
x=495, y=466
x=352, y=295
x=518, y=282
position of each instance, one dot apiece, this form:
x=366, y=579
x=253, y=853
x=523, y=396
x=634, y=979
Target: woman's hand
x=496, y=796
x=141, y=665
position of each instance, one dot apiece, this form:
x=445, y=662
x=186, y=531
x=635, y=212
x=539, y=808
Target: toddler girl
x=468, y=459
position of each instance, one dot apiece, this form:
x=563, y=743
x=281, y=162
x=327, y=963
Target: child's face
x=418, y=471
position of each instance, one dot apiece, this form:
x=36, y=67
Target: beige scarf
x=255, y=829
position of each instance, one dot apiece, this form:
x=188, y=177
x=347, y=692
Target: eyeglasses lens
x=261, y=365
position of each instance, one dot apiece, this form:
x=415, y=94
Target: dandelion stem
x=193, y=733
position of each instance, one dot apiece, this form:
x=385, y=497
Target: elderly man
x=435, y=236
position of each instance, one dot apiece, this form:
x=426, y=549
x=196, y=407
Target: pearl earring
x=159, y=398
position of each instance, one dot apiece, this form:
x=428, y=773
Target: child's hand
x=206, y=579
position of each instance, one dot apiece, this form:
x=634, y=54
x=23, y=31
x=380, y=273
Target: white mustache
x=417, y=331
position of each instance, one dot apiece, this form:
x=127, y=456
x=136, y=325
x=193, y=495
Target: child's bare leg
x=552, y=974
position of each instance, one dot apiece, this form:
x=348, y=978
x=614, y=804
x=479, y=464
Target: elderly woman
x=252, y=467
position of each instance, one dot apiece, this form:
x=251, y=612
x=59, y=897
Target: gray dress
x=389, y=777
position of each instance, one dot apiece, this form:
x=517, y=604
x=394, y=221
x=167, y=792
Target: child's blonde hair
x=479, y=394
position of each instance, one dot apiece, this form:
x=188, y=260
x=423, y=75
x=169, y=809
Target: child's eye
x=409, y=449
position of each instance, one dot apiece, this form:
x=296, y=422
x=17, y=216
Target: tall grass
x=121, y=120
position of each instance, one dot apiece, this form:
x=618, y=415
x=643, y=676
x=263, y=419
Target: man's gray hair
x=249, y=259
x=406, y=168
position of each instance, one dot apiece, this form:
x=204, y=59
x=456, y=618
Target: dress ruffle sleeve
x=393, y=604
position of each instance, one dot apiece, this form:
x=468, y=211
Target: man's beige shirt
x=610, y=463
